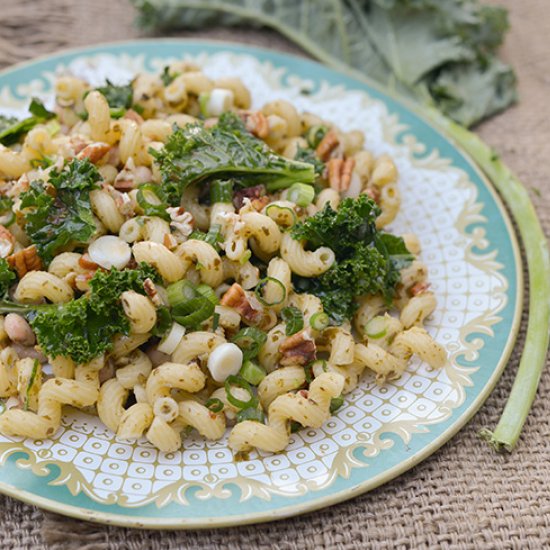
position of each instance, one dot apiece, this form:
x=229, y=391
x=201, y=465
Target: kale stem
x=507, y=432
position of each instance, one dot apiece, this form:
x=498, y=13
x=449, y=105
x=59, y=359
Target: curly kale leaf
x=60, y=216
x=354, y=222
x=7, y=278
x=367, y=271
x=304, y=154
x=227, y=150
x=12, y=130
x=118, y=97
x=368, y=261
x=84, y=328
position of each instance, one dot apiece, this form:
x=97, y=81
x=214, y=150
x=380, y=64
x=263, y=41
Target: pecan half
x=298, y=349
x=339, y=173
x=25, y=260
x=236, y=298
x=94, y=152
x=327, y=145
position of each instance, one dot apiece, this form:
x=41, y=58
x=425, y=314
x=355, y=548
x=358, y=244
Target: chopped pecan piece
x=151, y=291
x=236, y=298
x=252, y=193
x=419, y=288
x=373, y=193
x=260, y=204
x=327, y=145
x=256, y=123
x=7, y=241
x=85, y=262
x=25, y=260
x=132, y=115
x=339, y=173
x=298, y=349
x=94, y=152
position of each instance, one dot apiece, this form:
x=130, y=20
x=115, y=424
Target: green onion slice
x=252, y=372
x=150, y=202
x=251, y=413
x=250, y=340
x=294, y=320
x=193, y=312
x=180, y=293
x=319, y=321
x=336, y=403
x=208, y=292
x=215, y=405
x=281, y=215
x=215, y=321
x=164, y=322
x=30, y=384
x=315, y=135
x=239, y=382
x=377, y=327
x=301, y=194
x=281, y=291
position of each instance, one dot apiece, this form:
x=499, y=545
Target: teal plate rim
x=35, y=490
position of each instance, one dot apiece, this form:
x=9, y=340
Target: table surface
x=464, y=496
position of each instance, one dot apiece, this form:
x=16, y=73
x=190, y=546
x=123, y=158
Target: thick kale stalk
x=84, y=328
x=60, y=216
x=198, y=154
x=368, y=261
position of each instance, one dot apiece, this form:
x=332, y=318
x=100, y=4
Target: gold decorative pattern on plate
x=468, y=282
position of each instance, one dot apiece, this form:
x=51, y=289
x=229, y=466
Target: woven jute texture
x=464, y=496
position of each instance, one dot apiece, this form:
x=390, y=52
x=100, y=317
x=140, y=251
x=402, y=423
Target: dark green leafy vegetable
x=213, y=237
x=294, y=320
x=60, y=216
x=12, y=130
x=117, y=96
x=197, y=154
x=167, y=77
x=368, y=261
x=7, y=278
x=304, y=154
x=440, y=53
x=84, y=328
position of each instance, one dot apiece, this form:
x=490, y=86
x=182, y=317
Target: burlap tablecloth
x=465, y=495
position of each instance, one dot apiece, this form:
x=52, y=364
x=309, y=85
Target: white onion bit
x=170, y=342
x=110, y=251
x=224, y=361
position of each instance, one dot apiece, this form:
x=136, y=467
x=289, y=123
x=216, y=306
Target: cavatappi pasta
x=222, y=297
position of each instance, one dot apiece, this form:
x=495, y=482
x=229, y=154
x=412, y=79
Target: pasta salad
x=172, y=260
